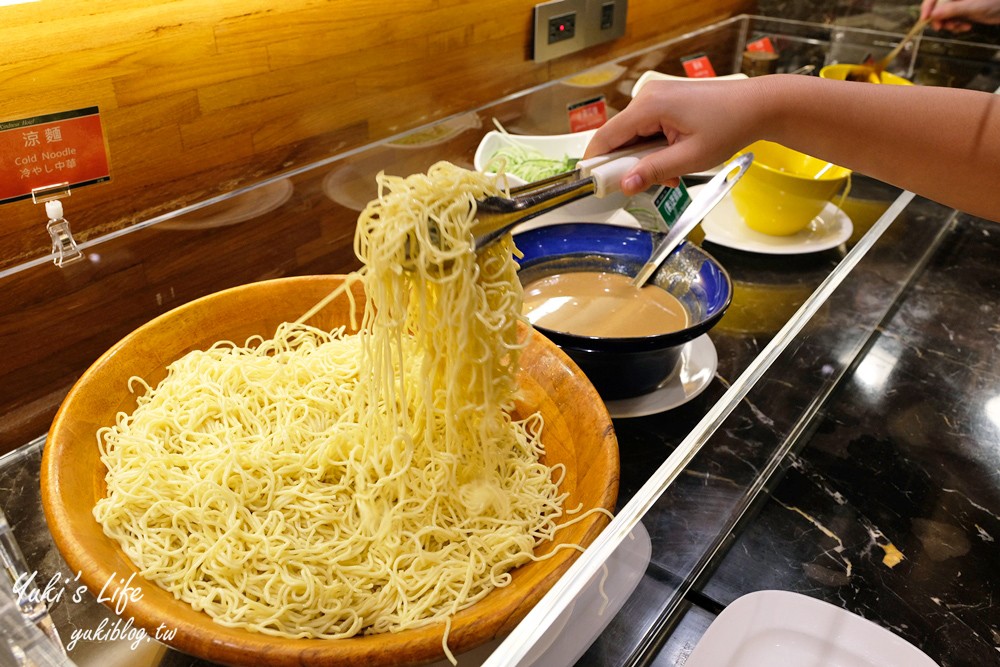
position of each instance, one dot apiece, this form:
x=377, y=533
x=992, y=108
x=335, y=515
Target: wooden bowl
x=577, y=433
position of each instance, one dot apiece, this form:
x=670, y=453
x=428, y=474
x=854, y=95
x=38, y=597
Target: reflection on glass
x=875, y=369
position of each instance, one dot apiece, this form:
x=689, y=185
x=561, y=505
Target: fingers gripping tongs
x=599, y=176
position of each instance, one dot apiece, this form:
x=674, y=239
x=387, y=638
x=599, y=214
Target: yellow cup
x=783, y=190
x=840, y=72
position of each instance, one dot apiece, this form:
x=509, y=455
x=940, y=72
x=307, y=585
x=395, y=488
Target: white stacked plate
x=771, y=628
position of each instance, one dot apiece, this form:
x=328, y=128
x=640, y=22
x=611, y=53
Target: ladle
x=700, y=206
x=873, y=72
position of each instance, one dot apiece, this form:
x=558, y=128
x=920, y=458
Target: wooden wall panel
x=200, y=97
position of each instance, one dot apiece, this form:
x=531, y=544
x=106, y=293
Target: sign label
x=588, y=114
x=37, y=152
x=763, y=44
x=698, y=67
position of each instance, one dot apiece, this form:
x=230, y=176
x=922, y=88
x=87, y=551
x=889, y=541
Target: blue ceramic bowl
x=625, y=367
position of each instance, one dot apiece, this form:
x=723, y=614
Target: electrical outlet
x=562, y=27
x=607, y=16
x=567, y=26
x=559, y=28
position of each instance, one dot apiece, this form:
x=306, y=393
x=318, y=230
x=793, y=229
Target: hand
x=959, y=15
x=705, y=123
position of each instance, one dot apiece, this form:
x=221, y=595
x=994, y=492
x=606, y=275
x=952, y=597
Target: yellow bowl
x=578, y=435
x=783, y=190
x=842, y=70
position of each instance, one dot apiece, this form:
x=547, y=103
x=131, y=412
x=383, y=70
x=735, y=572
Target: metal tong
x=599, y=176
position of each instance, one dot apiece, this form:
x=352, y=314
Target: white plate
x=438, y=133
x=618, y=217
x=236, y=209
x=695, y=370
x=351, y=185
x=651, y=75
x=579, y=625
x=595, y=77
x=771, y=628
x=352, y=182
x=725, y=226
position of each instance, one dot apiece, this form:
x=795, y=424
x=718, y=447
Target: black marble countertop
x=886, y=500
x=890, y=506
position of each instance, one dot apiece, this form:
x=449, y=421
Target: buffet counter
x=837, y=434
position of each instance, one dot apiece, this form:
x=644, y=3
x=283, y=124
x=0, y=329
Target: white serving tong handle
x=608, y=170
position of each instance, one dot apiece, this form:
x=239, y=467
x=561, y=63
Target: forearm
x=941, y=143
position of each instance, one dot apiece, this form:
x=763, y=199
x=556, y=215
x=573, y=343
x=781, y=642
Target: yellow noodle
x=322, y=485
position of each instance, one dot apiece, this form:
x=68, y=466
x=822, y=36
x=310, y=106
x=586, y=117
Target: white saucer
x=694, y=373
x=724, y=226
x=350, y=186
x=438, y=133
x=236, y=209
x=770, y=628
x=652, y=75
x=618, y=217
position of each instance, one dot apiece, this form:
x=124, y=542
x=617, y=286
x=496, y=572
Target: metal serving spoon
x=700, y=206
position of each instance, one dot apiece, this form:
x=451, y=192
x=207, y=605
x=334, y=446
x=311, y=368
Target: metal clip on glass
x=64, y=247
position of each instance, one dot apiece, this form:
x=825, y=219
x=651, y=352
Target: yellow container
x=840, y=72
x=783, y=190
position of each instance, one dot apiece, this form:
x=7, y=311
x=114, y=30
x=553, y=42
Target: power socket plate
x=592, y=22
x=562, y=27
